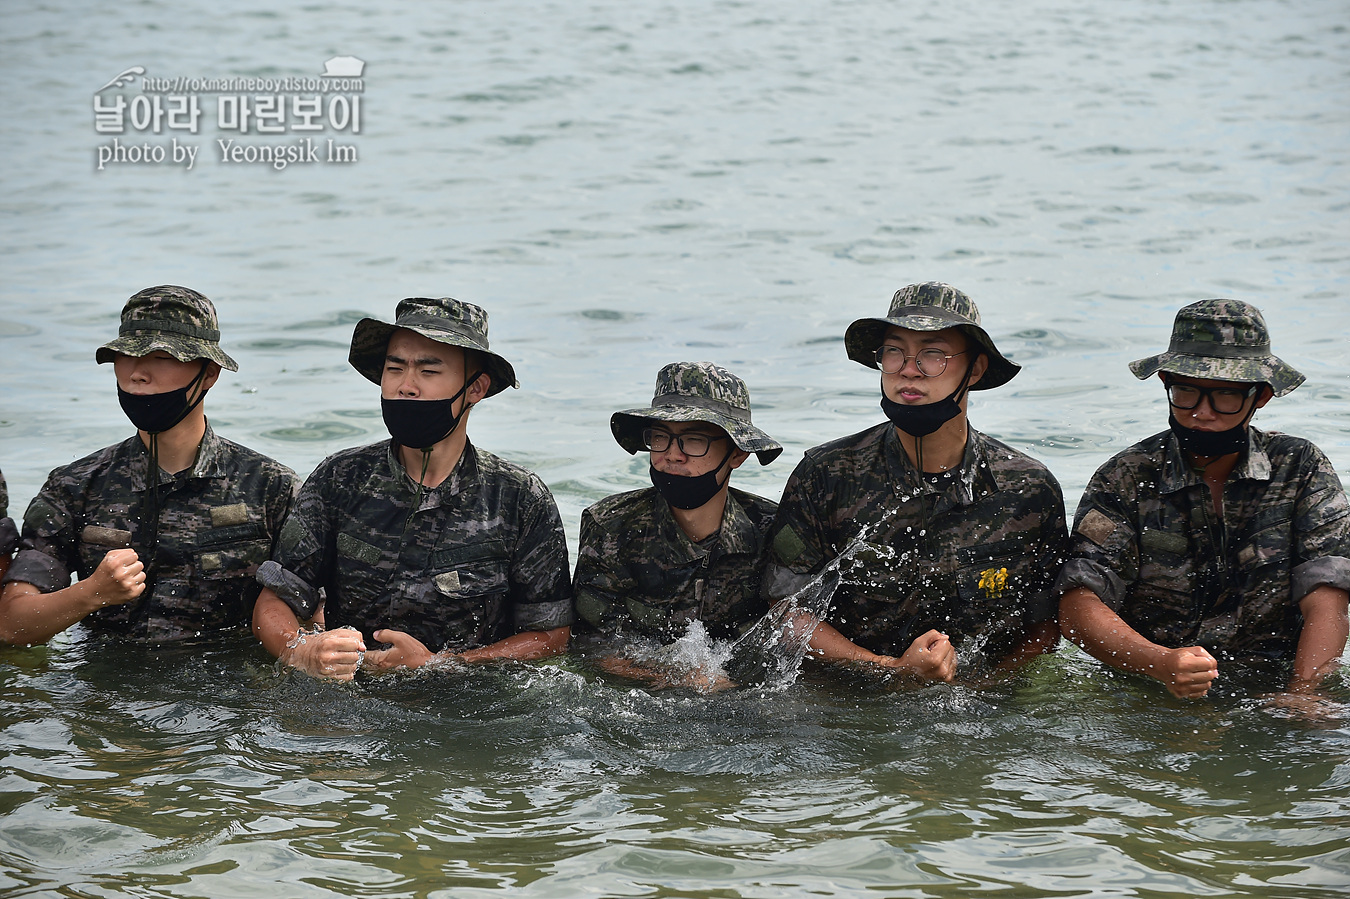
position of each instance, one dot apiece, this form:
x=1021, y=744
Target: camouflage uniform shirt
x=973, y=556
x=1147, y=542
x=482, y=557
x=217, y=522
x=9, y=534
x=638, y=572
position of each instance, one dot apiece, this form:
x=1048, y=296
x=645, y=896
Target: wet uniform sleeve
x=303, y=554
x=9, y=532
x=798, y=543
x=9, y=537
x=598, y=584
x=1052, y=543
x=1321, y=530
x=540, y=587
x=48, y=554
x=1103, y=553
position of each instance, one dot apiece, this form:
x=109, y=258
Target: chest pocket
x=1000, y=592
x=1161, y=604
x=1165, y=567
x=994, y=572
x=1268, y=546
x=889, y=575
x=471, y=584
x=231, y=552
x=475, y=569
x=96, y=540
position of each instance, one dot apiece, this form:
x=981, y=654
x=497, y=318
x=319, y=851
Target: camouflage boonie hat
x=932, y=306
x=1221, y=340
x=444, y=320
x=179, y=321
x=697, y=391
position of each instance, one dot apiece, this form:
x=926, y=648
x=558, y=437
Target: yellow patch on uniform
x=1096, y=527
x=228, y=516
x=448, y=582
x=993, y=581
x=211, y=562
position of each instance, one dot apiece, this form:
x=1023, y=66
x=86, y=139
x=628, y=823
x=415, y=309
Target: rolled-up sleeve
x=47, y=552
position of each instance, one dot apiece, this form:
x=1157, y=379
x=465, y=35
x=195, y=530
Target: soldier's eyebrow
x=420, y=360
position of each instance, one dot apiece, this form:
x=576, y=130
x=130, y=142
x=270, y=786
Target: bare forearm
x=525, y=646
x=1087, y=621
x=275, y=624
x=1322, y=640
x=29, y=616
x=828, y=645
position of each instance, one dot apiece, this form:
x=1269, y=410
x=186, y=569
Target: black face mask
x=155, y=413
x=920, y=421
x=421, y=424
x=685, y=491
x=1210, y=443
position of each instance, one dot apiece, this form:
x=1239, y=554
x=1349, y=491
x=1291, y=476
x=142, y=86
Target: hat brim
x=866, y=334
x=627, y=427
x=370, y=343
x=1272, y=370
x=182, y=348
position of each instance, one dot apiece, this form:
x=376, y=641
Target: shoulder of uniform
x=617, y=508
x=351, y=463
x=1280, y=443
x=845, y=452
x=1008, y=462
x=756, y=506
x=253, y=459
x=88, y=466
x=497, y=474
x=1145, y=455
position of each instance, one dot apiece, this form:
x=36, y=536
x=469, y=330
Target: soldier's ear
x=479, y=388
x=978, y=368
x=1265, y=396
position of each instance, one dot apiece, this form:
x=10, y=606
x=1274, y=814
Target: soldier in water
x=164, y=531
x=422, y=542
x=1212, y=541
x=953, y=538
x=691, y=546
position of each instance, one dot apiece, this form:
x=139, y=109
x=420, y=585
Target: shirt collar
x=736, y=535
x=208, y=463
x=1177, y=473
x=462, y=477
x=974, y=478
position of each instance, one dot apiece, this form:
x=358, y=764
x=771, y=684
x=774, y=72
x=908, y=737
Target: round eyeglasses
x=1223, y=400
x=931, y=362
x=692, y=445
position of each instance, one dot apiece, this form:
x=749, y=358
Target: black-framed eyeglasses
x=693, y=445
x=931, y=362
x=1223, y=400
